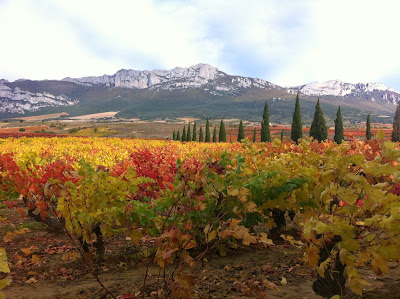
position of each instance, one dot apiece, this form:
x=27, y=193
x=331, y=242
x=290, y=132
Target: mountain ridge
x=195, y=76
x=19, y=101
x=201, y=74
x=200, y=85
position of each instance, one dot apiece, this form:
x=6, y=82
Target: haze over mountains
x=199, y=91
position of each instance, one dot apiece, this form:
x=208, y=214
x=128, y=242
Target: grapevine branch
x=80, y=249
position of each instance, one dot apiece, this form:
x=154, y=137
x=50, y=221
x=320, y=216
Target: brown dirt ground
x=95, y=115
x=246, y=272
x=42, y=117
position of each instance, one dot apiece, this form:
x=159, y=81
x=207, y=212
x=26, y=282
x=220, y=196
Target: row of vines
x=180, y=202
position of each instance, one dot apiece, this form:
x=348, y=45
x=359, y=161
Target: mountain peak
x=340, y=88
x=194, y=76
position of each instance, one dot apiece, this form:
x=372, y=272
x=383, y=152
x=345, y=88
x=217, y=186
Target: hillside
x=198, y=91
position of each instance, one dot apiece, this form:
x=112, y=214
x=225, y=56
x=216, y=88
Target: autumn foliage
x=179, y=202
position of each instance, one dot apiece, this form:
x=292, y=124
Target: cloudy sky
x=286, y=42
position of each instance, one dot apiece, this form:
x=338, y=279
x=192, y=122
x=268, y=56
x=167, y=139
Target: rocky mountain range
x=199, y=90
x=368, y=91
x=20, y=101
x=200, y=75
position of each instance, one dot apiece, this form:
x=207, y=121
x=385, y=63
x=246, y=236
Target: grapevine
x=180, y=202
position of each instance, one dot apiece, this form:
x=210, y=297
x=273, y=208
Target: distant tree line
x=188, y=136
x=318, y=129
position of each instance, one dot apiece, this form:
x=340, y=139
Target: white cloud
x=354, y=41
x=286, y=42
x=36, y=46
x=76, y=38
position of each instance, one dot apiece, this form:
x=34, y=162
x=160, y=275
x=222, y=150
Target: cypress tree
x=188, y=134
x=282, y=136
x=297, y=126
x=201, y=138
x=265, y=132
x=183, y=139
x=194, y=138
x=396, y=125
x=178, y=136
x=222, y=132
x=254, y=135
x=208, y=137
x=368, y=134
x=318, y=128
x=215, y=134
x=241, y=132
x=339, y=134
x=174, y=135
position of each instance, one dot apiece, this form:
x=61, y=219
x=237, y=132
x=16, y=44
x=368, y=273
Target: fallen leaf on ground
x=31, y=280
x=30, y=250
x=283, y=281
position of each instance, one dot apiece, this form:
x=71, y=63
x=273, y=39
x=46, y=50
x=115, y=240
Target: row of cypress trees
x=318, y=129
x=188, y=136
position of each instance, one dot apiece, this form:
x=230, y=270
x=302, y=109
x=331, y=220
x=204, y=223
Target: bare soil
x=42, y=117
x=52, y=268
x=96, y=115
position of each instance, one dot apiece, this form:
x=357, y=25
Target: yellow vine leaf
x=251, y=207
x=321, y=227
x=232, y=192
x=211, y=236
x=322, y=267
x=379, y=265
x=350, y=244
x=135, y=236
x=3, y=261
x=302, y=194
x=270, y=224
x=391, y=251
x=356, y=284
x=380, y=135
x=206, y=229
x=326, y=177
x=4, y=283
x=389, y=145
x=343, y=255
x=284, y=281
x=248, y=238
x=312, y=256
x=264, y=239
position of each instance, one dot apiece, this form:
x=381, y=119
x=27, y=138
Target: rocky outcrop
x=200, y=79
x=19, y=101
x=205, y=76
x=368, y=91
x=193, y=76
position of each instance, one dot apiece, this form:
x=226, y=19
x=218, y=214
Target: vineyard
x=171, y=208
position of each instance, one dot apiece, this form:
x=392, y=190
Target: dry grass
x=96, y=132
x=109, y=114
x=188, y=119
x=43, y=117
